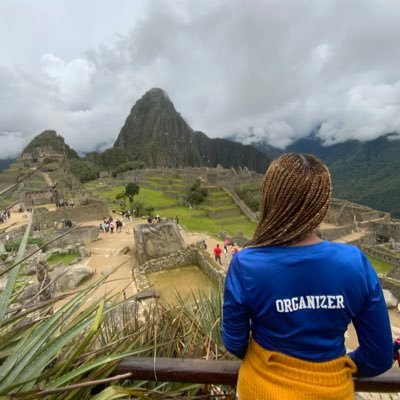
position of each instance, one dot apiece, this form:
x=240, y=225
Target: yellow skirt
x=269, y=375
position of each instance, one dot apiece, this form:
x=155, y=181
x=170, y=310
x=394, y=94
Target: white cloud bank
x=277, y=69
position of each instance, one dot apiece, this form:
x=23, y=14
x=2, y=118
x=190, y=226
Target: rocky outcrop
x=155, y=133
x=157, y=240
x=72, y=277
x=82, y=235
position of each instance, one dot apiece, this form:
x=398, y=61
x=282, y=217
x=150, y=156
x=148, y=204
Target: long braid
x=296, y=191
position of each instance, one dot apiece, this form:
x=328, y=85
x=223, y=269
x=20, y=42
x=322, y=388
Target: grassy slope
x=195, y=220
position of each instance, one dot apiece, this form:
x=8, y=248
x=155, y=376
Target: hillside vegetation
x=362, y=172
x=166, y=197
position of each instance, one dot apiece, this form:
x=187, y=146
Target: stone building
x=40, y=197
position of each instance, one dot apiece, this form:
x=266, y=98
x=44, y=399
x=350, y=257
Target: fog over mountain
x=275, y=70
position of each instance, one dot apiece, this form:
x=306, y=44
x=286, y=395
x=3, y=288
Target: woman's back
x=297, y=294
x=300, y=299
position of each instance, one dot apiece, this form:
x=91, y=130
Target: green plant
x=196, y=194
x=131, y=190
x=128, y=166
x=13, y=245
x=62, y=350
x=149, y=210
x=65, y=258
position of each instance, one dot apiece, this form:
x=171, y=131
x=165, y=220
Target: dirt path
x=16, y=220
x=47, y=178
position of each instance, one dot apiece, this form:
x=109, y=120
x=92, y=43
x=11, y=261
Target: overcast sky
x=277, y=69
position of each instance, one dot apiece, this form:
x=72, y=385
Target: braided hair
x=295, y=197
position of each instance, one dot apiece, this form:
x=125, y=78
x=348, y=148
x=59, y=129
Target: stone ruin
x=40, y=154
x=85, y=210
x=161, y=247
x=40, y=197
x=157, y=240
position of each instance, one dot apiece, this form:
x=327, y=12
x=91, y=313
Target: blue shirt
x=299, y=300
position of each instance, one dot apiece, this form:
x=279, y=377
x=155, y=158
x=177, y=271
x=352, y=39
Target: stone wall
x=335, y=233
x=221, y=176
x=40, y=197
x=83, y=235
x=381, y=254
x=179, y=259
x=370, y=215
x=214, y=271
x=390, y=284
x=44, y=219
x=224, y=213
x=241, y=204
x=386, y=230
x=342, y=212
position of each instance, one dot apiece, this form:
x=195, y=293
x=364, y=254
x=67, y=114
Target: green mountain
x=156, y=134
x=362, y=172
x=48, y=141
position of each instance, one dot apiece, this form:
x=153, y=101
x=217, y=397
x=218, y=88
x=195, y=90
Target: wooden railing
x=224, y=373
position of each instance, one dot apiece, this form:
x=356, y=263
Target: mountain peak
x=49, y=139
x=156, y=134
x=156, y=92
x=155, y=96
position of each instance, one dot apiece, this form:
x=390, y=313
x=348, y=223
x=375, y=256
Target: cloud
x=274, y=70
x=72, y=80
x=11, y=143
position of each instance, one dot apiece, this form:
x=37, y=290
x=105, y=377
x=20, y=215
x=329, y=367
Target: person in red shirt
x=217, y=254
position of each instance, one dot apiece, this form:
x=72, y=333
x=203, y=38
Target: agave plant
x=65, y=354
x=68, y=350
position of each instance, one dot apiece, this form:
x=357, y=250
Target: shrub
x=196, y=194
x=128, y=166
x=13, y=245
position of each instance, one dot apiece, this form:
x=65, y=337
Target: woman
x=234, y=249
x=289, y=296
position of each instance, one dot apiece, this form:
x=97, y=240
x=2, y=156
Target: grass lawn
x=194, y=220
x=154, y=198
x=380, y=266
x=62, y=257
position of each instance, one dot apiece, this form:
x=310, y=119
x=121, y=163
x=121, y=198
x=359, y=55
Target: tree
x=196, y=194
x=131, y=190
x=121, y=196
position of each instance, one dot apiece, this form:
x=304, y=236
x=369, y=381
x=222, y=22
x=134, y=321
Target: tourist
x=227, y=242
x=217, y=254
x=112, y=226
x=118, y=224
x=234, y=249
x=290, y=296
